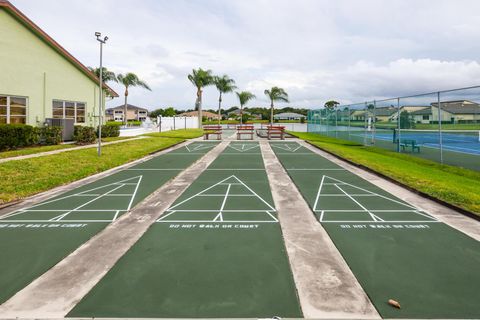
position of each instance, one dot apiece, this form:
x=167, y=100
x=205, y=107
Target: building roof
x=384, y=111
x=459, y=107
x=23, y=19
x=237, y=111
x=289, y=115
x=426, y=111
x=129, y=107
x=195, y=114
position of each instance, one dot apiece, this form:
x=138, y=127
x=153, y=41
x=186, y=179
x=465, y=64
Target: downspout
x=44, y=97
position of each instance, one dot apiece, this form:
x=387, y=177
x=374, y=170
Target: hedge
x=84, y=135
x=13, y=136
x=110, y=130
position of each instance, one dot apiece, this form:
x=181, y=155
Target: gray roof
x=129, y=107
x=426, y=111
x=289, y=115
x=384, y=111
x=459, y=107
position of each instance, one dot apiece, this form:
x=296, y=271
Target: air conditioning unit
x=67, y=126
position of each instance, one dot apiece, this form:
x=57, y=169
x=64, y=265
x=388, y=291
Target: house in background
x=134, y=113
x=458, y=111
x=288, y=116
x=39, y=79
x=209, y=115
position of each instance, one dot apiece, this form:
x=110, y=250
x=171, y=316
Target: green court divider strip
x=395, y=251
x=34, y=239
x=217, y=252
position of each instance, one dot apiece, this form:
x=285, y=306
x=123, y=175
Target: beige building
x=206, y=114
x=459, y=111
x=134, y=113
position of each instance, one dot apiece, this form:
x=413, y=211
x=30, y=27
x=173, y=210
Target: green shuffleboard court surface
x=216, y=252
x=34, y=239
x=395, y=250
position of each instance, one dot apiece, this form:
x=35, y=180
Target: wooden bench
x=275, y=132
x=245, y=130
x=212, y=130
x=406, y=143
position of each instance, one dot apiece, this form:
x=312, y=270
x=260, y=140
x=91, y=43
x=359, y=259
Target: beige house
x=206, y=114
x=134, y=113
x=459, y=111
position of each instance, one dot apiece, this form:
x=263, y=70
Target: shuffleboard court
x=217, y=252
x=395, y=250
x=34, y=239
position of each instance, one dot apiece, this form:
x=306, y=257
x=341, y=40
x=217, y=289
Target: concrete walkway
x=47, y=153
x=57, y=291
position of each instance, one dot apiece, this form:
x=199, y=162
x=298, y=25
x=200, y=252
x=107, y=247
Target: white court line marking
x=286, y=146
x=318, y=193
x=365, y=190
x=240, y=169
x=116, y=215
x=153, y=169
x=85, y=193
x=197, y=147
x=374, y=217
x=60, y=217
x=219, y=216
x=244, y=146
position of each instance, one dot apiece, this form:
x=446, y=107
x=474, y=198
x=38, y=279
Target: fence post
x=185, y=122
x=174, y=123
x=440, y=127
x=365, y=125
x=159, y=120
x=349, y=117
x=374, y=121
x=397, y=136
x=336, y=121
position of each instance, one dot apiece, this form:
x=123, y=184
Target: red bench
x=212, y=130
x=276, y=132
x=245, y=130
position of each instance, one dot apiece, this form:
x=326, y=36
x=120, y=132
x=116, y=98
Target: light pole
x=100, y=99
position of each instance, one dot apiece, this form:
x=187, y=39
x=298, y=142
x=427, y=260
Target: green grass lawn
x=458, y=186
x=181, y=134
x=26, y=177
x=38, y=149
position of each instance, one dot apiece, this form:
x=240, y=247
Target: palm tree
x=275, y=94
x=107, y=75
x=224, y=85
x=130, y=80
x=243, y=98
x=200, y=78
x=331, y=104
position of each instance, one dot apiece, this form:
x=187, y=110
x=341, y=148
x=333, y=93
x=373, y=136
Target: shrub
x=14, y=136
x=50, y=135
x=84, y=135
x=110, y=130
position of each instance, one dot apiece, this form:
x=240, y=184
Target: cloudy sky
x=347, y=50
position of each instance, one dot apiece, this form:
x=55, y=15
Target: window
x=426, y=117
x=13, y=110
x=69, y=110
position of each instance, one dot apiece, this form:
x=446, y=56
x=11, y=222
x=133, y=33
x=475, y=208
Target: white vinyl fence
x=175, y=123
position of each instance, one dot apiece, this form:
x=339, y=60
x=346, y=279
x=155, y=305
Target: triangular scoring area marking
x=198, y=147
x=287, y=146
x=340, y=190
x=242, y=147
x=221, y=211
x=90, y=196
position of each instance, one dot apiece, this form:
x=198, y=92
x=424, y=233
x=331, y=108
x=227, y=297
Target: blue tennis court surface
x=456, y=141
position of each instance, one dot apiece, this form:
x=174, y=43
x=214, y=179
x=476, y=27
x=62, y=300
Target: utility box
x=67, y=126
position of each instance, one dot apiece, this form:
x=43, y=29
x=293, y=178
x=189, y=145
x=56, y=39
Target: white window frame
x=74, y=108
x=8, y=96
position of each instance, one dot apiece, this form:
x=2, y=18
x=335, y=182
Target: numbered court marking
x=199, y=146
x=242, y=147
x=219, y=203
x=100, y=204
x=361, y=205
x=287, y=146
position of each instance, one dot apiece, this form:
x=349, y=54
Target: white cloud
x=317, y=50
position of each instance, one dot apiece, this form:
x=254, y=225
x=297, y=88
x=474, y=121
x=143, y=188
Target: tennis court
x=217, y=252
x=34, y=239
x=395, y=250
